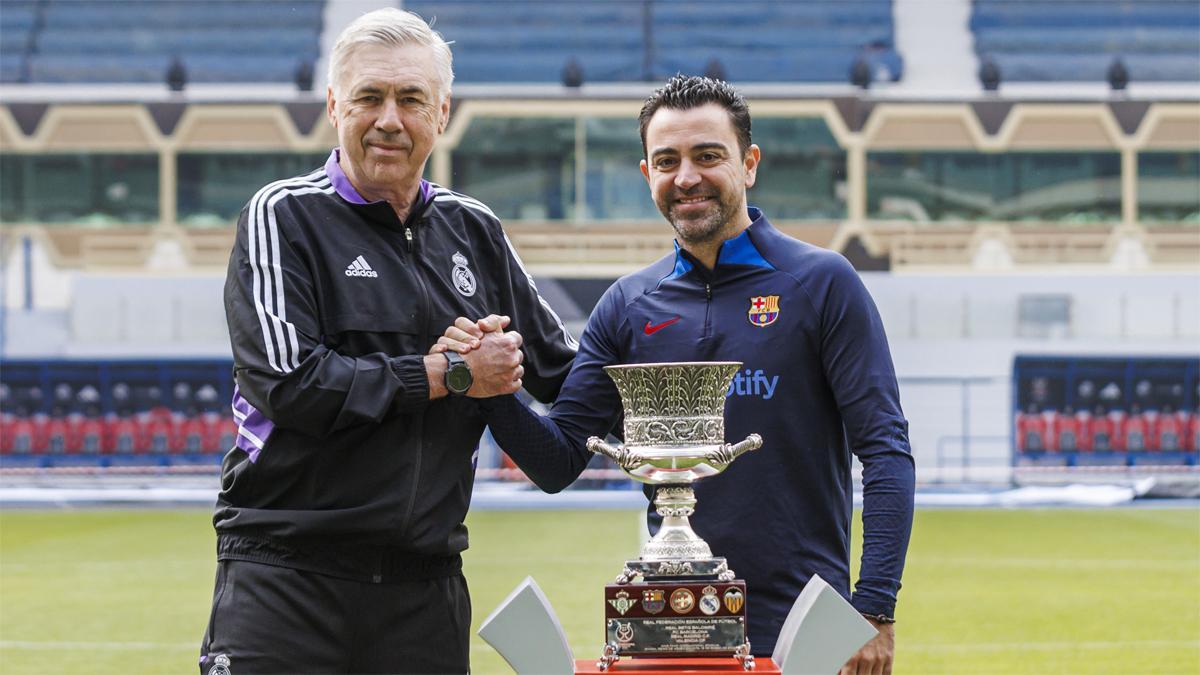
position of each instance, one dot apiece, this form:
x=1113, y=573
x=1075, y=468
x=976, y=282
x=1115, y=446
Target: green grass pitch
x=992, y=591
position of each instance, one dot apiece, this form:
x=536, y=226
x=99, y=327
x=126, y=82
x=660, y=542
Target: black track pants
x=268, y=619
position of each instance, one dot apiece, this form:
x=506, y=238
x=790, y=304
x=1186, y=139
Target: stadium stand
x=17, y=22
x=110, y=413
x=1077, y=40
x=1096, y=411
x=754, y=41
x=59, y=41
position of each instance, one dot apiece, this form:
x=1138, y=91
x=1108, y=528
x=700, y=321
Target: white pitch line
x=1061, y=563
x=110, y=646
x=1048, y=646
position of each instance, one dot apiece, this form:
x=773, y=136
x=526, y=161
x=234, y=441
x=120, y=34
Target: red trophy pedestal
x=678, y=666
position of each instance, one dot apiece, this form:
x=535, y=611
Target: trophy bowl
x=674, y=436
x=674, y=421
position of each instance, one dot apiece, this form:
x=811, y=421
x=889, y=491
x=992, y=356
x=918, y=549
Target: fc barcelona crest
x=764, y=309
x=654, y=600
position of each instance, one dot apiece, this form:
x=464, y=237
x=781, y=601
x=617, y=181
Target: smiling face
x=388, y=111
x=698, y=177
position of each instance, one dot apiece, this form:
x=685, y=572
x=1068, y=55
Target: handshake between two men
x=493, y=356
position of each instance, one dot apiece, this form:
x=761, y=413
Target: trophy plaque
x=676, y=599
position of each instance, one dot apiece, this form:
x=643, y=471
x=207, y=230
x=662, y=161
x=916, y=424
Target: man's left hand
x=465, y=334
x=875, y=657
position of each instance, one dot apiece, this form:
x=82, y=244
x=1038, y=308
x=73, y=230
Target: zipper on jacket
x=707, y=309
x=423, y=314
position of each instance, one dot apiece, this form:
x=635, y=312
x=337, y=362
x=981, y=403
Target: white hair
x=394, y=28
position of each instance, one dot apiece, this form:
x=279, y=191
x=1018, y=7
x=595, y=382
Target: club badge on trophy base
x=676, y=599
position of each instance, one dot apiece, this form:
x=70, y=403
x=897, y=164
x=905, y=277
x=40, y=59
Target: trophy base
x=649, y=570
x=676, y=618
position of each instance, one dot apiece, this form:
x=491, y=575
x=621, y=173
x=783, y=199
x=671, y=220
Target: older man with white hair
x=340, y=518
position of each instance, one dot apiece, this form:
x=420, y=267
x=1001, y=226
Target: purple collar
x=342, y=184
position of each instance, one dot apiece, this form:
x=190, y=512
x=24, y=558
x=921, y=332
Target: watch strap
x=454, y=364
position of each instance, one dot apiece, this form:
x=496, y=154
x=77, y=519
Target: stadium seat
x=135, y=40
x=755, y=41
x=1077, y=40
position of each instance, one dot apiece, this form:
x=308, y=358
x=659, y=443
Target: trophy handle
x=729, y=452
x=623, y=456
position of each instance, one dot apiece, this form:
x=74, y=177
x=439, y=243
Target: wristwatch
x=879, y=618
x=458, y=374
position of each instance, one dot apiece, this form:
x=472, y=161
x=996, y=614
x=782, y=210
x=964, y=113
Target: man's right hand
x=496, y=364
x=494, y=356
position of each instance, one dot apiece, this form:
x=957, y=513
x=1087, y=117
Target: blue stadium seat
x=16, y=14
x=60, y=68
x=1076, y=13
x=782, y=37
x=14, y=40
x=476, y=37
x=177, y=13
x=755, y=40
x=809, y=16
x=1111, y=40
x=1076, y=40
x=12, y=68
x=1046, y=67
x=523, y=66
x=283, y=41
x=128, y=68
x=135, y=40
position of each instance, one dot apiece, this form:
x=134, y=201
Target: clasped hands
x=493, y=354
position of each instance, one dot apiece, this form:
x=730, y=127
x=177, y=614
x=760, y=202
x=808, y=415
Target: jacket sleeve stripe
x=568, y=339
x=444, y=195
x=470, y=204
x=253, y=427
x=263, y=245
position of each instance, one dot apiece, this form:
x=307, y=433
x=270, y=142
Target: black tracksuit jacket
x=343, y=465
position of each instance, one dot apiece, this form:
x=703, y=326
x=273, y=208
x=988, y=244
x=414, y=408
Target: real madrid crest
x=622, y=603
x=220, y=665
x=764, y=309
x=709, y=604
x=463, y=277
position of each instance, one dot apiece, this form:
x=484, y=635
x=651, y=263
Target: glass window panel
x=12, y=192
x=1064, y=187
x=803, y=171
x=1043, y=315
x=212, y=188
x=521, y=167
x=1169, y=187
x=616, y=188
x=80, y=188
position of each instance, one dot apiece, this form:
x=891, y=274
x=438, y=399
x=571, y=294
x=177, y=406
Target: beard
x=702, y=227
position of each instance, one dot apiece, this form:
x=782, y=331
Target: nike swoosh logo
x=652, y=329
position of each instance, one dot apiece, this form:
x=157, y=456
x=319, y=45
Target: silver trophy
x=674, y=436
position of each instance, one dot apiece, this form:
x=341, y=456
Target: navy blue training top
x=817, y=383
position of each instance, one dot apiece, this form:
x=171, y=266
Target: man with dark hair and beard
x=817, y=381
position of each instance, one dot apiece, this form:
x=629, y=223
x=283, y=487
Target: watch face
x=458, y=378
